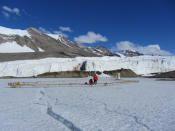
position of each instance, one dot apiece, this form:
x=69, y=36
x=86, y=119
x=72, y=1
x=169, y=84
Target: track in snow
x=54, y=115
x=61, y=119
x=134, y=117
x=72, y=126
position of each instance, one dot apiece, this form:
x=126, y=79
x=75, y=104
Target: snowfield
x=145, y=106
x=9, y=31
x=13, y=47
x=141, y=65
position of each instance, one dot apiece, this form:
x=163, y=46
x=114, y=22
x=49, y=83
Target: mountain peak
x=131, y=53
x=42, y=45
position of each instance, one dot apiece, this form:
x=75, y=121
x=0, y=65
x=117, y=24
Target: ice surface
x=13, y=47
x=141, y=65
x=145, y=106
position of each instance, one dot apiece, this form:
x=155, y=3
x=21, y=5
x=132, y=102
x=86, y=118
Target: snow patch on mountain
x=63, y=40
x=13, y=47
x=59, y=37
x=55, y=36
x=40, y=50
x=8, y=31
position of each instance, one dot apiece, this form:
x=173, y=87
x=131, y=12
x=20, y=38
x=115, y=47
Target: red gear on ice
x=90, y=82
x=95, y=77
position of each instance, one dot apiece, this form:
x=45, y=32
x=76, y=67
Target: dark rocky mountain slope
x=46, y=45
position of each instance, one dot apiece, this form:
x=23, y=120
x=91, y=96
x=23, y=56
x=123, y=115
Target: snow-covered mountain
x=36, y=44
x=26, y=53
x=130, y=53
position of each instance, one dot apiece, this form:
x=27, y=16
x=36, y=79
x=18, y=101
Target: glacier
x=142, y=65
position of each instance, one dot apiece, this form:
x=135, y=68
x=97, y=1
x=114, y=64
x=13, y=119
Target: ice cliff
x=141, y=65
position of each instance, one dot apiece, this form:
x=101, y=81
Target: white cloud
x=61, y=31
x=57, y=32
x=153, y=49
x=68, y=29
x=11, y=10
x=44, y=30
x=53, y=32
x=7, y=15
x=90, y=37
x=6, y=8
x=16, y=10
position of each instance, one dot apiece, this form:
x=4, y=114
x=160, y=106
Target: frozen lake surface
x=147, y=105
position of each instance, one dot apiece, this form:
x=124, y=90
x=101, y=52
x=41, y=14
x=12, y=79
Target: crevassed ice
x=139, y=64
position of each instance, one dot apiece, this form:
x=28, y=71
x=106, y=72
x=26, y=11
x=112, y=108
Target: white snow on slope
x=55, y=36
x=140, y=65
x=8, y=31
x=41, y=50
x=145, y=106
x=59, y=37
x=13, y=47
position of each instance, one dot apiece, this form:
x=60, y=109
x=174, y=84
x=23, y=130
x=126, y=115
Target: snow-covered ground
x=145, y=106
x=141, y=65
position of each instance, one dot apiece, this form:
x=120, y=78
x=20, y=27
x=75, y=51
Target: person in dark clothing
x=91, y=82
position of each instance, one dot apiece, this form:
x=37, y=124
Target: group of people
x=94, y=80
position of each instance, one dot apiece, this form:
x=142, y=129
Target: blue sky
x=116, y=24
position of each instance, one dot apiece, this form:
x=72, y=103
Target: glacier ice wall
x=141, y=65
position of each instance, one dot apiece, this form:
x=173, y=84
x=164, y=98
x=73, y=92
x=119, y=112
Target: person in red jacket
x=95, y=78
